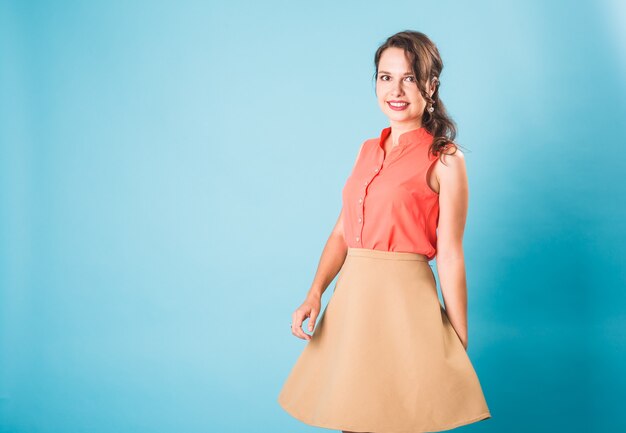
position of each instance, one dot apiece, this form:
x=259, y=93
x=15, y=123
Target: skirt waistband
x=388, y=255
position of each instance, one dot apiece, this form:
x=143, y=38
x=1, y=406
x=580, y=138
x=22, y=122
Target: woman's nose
x=397, y=91
x=397, y=88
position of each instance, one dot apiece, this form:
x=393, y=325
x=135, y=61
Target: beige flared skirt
x=384, y=358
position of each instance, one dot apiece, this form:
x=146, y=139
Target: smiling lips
x=397, y=105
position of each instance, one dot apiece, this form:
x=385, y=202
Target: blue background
x=170, y=172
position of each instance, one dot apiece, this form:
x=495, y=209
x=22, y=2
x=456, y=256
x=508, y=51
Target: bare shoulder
x=450, y=170
x=452, y=159
x=452, y=149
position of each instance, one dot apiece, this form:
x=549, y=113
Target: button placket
x=360, y=212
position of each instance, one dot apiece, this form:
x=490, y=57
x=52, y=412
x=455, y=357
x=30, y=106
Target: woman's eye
x=387, y=78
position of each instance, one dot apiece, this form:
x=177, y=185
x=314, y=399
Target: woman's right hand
x=310, y=308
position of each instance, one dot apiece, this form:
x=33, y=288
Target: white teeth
x=398, y=104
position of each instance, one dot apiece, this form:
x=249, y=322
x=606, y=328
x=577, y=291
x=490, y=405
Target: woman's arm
x=334, y=253
x=453, y=204
x=330, y=263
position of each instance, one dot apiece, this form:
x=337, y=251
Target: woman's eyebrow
x=385, y=72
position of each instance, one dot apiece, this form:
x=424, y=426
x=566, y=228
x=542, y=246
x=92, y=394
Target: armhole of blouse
x=358, y=155
x=429, y=171
x=431, y=166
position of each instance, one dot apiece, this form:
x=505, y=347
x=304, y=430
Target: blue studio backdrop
x=170, y=172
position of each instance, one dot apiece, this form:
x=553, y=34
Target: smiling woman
x=407, y=88
x=386, y=356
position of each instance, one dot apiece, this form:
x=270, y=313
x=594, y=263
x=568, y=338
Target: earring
x=431, y=109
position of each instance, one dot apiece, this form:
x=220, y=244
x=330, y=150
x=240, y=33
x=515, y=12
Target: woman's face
x=396, y=88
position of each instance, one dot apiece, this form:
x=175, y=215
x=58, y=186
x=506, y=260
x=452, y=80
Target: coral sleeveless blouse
x=387, y=202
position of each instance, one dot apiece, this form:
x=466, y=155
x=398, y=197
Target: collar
x=414, y=136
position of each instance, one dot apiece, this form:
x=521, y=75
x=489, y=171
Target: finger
x=296, y=321
x=300, y=316
x=301, y=332
x=312, y=319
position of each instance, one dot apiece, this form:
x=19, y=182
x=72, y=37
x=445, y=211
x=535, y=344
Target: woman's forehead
x=396, y=59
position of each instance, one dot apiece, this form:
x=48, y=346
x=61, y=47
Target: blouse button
x=360, y=199
x=360, y=219
x=365, y=183
x=376, y=170
x=357, y=238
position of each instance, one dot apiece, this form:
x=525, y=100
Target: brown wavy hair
x=426, y=63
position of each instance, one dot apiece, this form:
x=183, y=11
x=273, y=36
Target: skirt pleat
x=384, y=358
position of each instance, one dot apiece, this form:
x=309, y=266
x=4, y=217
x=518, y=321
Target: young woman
x=386, y=356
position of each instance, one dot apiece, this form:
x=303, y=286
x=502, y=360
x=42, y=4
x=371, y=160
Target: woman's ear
x=434, y=82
